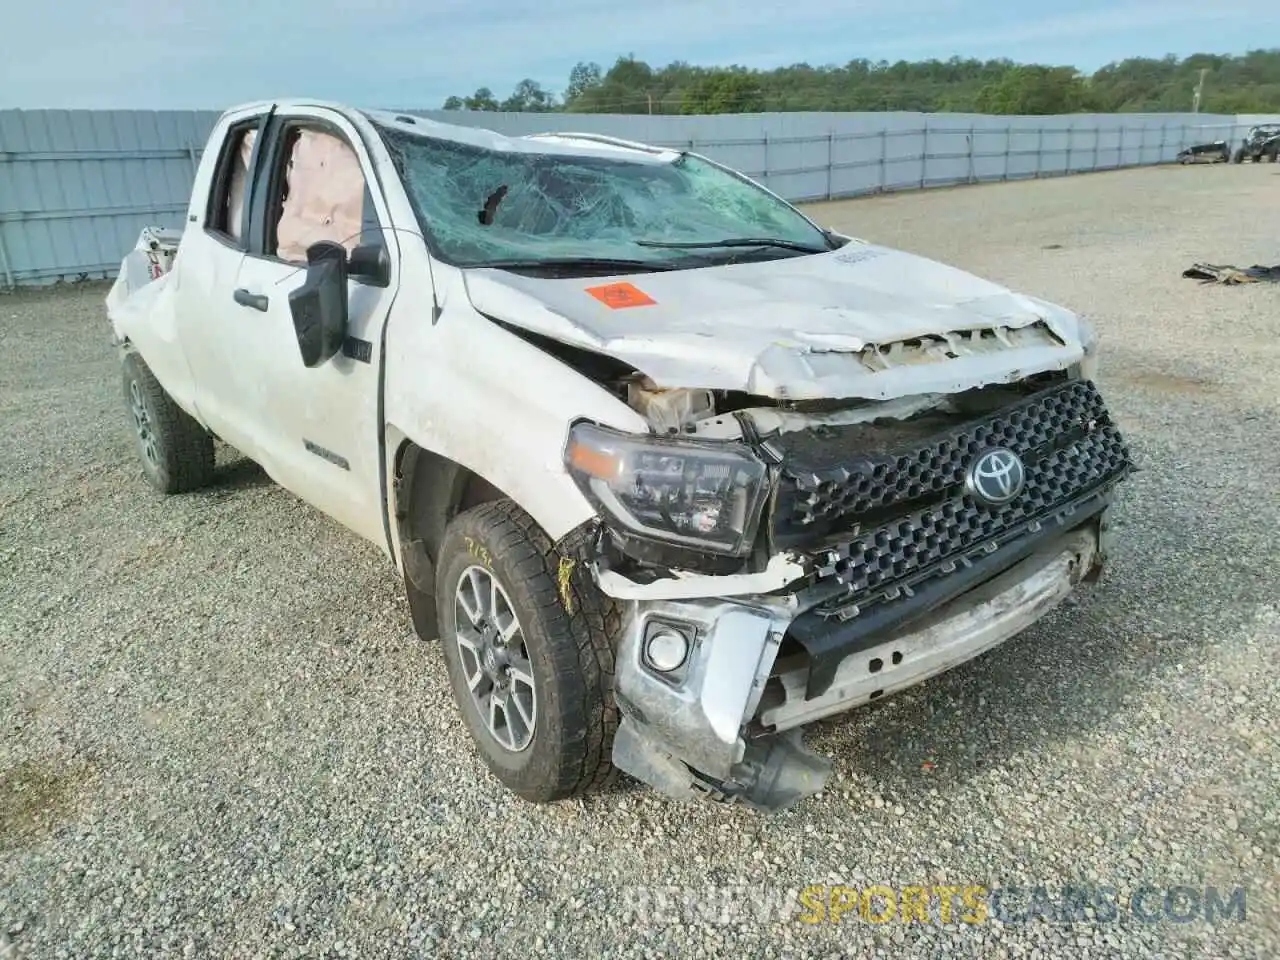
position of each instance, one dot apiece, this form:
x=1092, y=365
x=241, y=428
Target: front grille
x=901, y=514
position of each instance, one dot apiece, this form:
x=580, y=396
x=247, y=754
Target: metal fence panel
x=77, y=186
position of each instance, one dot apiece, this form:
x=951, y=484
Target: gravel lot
x=220, y=738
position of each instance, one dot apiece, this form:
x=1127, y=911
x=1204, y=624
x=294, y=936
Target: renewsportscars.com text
x=940, y=904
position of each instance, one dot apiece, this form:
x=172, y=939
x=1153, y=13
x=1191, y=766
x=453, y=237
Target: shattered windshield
x=480, y=205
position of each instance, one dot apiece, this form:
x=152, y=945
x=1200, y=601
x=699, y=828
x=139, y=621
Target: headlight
x=704, y=495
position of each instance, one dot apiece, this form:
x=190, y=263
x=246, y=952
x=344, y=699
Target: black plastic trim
x=663, y=553
x=358, y=350
x=384, y=486
x=222, y=173
x=828, y=642
x=336, y=459
x=253, y=179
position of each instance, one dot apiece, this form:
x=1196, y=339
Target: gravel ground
x=219, y=737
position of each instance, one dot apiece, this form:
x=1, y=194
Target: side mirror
x=319, y=306
x=370, y=264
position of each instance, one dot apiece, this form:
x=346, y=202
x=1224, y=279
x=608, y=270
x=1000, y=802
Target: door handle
x=256, y=300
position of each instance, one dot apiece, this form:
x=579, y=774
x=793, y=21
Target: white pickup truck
x=671, y=470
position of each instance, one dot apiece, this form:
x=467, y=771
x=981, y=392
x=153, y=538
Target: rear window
x=226, y=213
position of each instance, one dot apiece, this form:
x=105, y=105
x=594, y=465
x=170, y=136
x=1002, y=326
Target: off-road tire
x=570, y=630
x=1238, y=156
x=181, y=455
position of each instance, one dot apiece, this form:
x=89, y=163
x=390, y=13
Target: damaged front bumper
x=905, y=574
x=726, y=725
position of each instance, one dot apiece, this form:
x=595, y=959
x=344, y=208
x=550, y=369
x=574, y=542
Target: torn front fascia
x=682, y=732
x=775, y=773
x=644, y=560
x=828, y=641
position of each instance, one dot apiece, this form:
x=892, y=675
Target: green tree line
x=1247, y=83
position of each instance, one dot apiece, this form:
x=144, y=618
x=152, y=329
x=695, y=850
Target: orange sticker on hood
x=615, y=296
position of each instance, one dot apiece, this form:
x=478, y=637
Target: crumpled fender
x=143, y=313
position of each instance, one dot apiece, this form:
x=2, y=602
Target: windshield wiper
x=733, y=242
x=585, y=263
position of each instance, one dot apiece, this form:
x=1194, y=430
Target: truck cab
x=670, y=470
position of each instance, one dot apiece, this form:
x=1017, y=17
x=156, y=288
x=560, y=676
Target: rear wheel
x=528, y=644
x=176, y=452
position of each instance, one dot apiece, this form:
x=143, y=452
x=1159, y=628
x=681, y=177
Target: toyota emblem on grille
x=996, y=477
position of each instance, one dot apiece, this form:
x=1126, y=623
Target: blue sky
x=412, y=54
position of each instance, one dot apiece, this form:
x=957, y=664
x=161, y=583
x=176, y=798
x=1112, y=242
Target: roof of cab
x=553, y=142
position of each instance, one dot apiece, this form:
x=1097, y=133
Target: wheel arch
x=427, y=490
x=430, y=489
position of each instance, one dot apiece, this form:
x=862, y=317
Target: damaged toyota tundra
x=669, y=469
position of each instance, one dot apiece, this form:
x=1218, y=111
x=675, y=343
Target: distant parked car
x=1261, y=143
x=1216, y=152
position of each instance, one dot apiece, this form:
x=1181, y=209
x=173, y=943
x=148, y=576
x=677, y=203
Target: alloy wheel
x=495, y=661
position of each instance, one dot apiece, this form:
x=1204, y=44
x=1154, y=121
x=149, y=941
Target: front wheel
x=176, y=452
x=529, y=647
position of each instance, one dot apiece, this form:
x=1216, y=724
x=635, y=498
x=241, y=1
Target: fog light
x=666, y=650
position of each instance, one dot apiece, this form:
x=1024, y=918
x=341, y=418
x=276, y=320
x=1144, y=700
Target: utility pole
x=1195, y=103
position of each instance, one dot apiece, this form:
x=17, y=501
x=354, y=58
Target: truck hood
x=861, y=321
